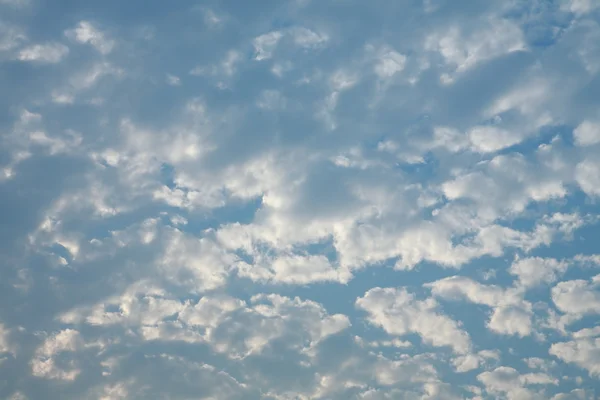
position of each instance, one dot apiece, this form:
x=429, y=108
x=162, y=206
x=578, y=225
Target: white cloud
x=398, y=313
x=578, y=297
x=587, y=174
x=511, y=315
x=463, y=51
x=579, y=7
x=540, y=363
x=87, y=32
x=583, y=352
x=294, y=269
x=307, y=38
x=265, y=44
x=189, y=378
x=10, y=37
x=199, y=264
x=5, y=346
x=50, y=53
x=486, y=139
x=533, y=271
x=480, y=139
x=173, y=80
x=44, y=364
x=508, y=381
x=587, y=133
x=390, y=63
x=181, y=217
x=587, y=332
x=228, y=325
x=473, y=361
x=511, y=320
x=575, y=394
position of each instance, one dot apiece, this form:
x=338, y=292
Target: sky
x=300, y=199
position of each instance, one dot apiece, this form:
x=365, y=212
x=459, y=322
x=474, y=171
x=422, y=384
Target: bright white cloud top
x=300, y=199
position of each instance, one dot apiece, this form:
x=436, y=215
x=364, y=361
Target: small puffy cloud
x=265, y=44
x=173, y=80
x=540, y=363
x=511, y=320
x=575, y=394
x=587, y=333
x=87, y=32
x=5, y=346
x=584, y=353
x=533, y=271
x=578, y=297
x=302, y=37
x=44, y=364
x=469, y=362
x=509, y=382
x=10, y=37
x=389, y=63
x=587, y=133
x=398, y=313
x=50, y=53
x=511, y=315
x=294, y=269
x=463, y=51
x=487, y=139
x=479, y=139
x=587, y=175
x=307, y=38
x=579, y=7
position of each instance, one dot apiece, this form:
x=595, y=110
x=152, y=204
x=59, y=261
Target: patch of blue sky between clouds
x=299, y=199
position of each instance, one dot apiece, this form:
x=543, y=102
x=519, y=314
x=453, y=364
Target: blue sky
x=301, y=199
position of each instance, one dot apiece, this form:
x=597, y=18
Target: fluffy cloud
x=398, y=312
x=533, y=271
x=44, y=363
x=587, y=173
x=463, y=51
x=511, y=314
x=507, y=381
x=587, y=133
x=579, y=297
x=87, y=32
x=299, y=201
x=227, y=324
x=583, y=352
x=44, y=53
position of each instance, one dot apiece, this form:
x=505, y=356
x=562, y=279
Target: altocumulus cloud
x=299, y=199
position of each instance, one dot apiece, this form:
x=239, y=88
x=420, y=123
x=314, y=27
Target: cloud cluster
x=301, y=200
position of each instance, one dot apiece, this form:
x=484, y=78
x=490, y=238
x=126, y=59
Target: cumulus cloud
x=507, y=381
x=50, y=53
x=338, y=201
x=87, y=33
x=587, y=133
x=398, y=313
x=587, y=173
x=464, y=51
x=583, y=352
x=533, y=271
x=511, y=314
x=44, y=363
x=578, y=297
